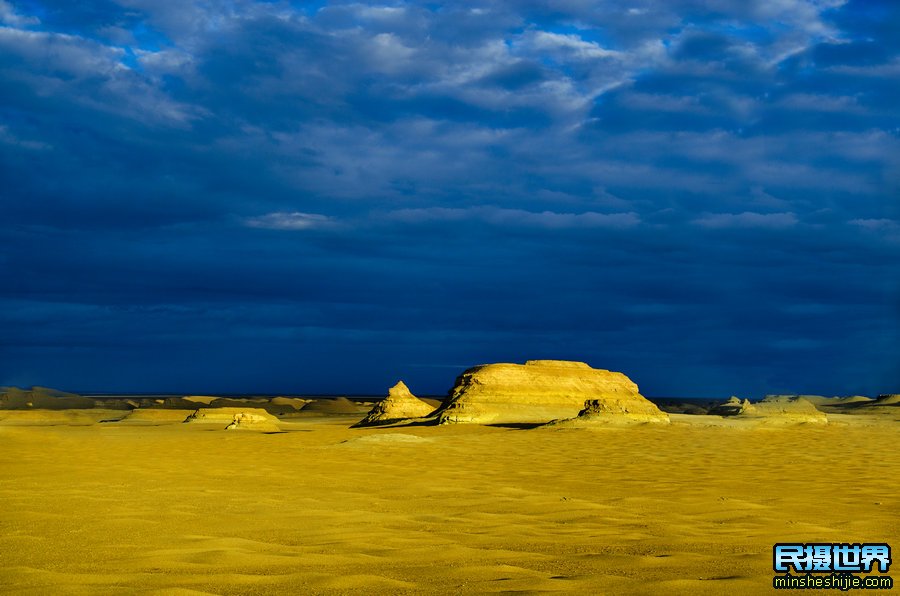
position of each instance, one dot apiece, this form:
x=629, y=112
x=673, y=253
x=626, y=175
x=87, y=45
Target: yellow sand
x=685, y=508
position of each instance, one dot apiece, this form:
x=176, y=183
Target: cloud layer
x=276, y=196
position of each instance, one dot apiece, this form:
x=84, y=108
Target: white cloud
x=161, y=62
x=882, y=224
x=386, y=53
x=60, y=52
x=569, y=44
x=747, y=219
x=663, y=103
x=517, y=217
x=812, y=102
x=9, y=138
x=885, y=229
x=294, y=220
x=10, y=17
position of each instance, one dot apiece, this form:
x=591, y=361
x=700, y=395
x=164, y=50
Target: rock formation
x=886, y=403
x=294, y=403
x=253, y=421
x=597, y=412
x=399, y=405
x=687, y=405
x=42, y=398
x=774, y=408
x=838, y=405
x=888, y=399
x=236, y=418
x=733, y=407
x=200, y=399
x=537, y=392
x=329, y=406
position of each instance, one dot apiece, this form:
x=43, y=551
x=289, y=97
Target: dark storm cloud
x=271, y=195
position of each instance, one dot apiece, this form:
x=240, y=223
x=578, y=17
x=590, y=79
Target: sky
x=325, y=197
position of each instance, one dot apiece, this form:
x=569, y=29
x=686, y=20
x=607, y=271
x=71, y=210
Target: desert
x=156, y=498
x=429, y=297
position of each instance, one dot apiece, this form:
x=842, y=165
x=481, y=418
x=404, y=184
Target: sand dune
x=387, y=438
x=294, y=403
x=821, y=400
x=79, y=417
x=43, y=398
x=332, y=406
x=692, y=507
x=200, y=399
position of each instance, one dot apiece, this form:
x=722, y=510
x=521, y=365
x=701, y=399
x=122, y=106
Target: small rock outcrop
x=253, y=421
x=536, y=392
x=399, y=405
x=733, y=407
x=774, y=408
x=236, y=418
x=598, y=412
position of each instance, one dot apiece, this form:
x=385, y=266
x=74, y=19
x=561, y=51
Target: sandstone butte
x=541, y=391
x=400, y=404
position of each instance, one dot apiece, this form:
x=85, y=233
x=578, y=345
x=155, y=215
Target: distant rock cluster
x=43, y=398
x=783, y=408
x=557, y=393
x=236, y=419
x=537, y=392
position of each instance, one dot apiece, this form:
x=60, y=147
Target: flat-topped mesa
x=535, y=392
x=236, y=418
x=399, y=405
x=560, y=364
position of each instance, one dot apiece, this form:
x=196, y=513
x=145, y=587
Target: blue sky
x=238, y=196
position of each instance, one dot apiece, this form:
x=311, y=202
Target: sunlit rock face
x=399, y=405
x=536, y=392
